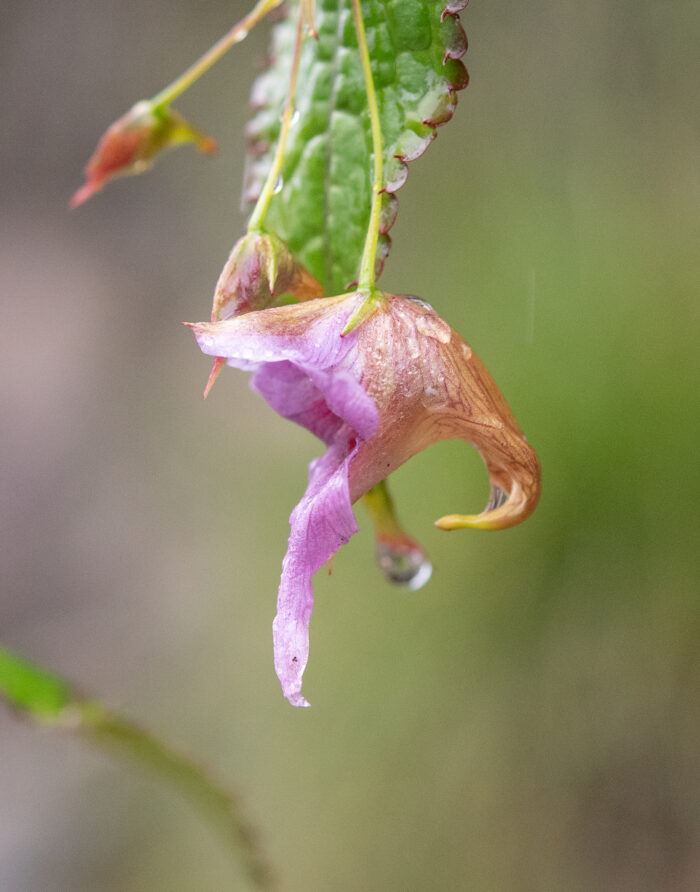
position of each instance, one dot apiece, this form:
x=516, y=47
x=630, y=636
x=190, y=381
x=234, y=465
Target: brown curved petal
x=430, y=386
x=488, y=424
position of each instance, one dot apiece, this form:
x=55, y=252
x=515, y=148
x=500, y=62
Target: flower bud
x=259, y=270
x=130, y=144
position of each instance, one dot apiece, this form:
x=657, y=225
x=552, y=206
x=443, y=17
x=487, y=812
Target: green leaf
x=27, y=687
x=322, y=210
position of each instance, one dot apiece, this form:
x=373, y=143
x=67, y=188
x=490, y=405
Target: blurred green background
x=530, y=720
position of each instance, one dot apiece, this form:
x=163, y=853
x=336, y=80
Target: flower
x=130, y=144
x=397, y=382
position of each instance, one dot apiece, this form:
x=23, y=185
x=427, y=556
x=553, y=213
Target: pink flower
x=130, y=144
x=399, y=381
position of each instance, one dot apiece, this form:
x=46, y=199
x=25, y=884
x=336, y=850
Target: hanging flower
x=397, y=382
x=130, y=144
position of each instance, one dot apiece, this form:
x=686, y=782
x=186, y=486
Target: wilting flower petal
x=396, y=383
x=130, y=144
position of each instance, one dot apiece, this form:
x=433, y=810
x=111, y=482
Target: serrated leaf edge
x=256, y=148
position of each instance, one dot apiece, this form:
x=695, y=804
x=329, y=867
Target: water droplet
x=278, y=186
x=434, y=327
x=295, y=117
x=420, y=302
x=434, y=397
x=404, y=564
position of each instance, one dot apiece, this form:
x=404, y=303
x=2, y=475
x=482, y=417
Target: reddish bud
x=260, y=270
x=131, y=143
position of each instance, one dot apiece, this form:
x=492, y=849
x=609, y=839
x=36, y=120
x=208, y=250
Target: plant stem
x=255, y=224
x=109, y=730
x=235, y=35
x=367, y=278
x=50, y=700
x=382, y=510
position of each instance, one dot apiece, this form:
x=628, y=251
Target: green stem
x=255, y=224
x=382, y=510
x=367, y=278
x=109, y=730
x=235, y=35
x=50, y=700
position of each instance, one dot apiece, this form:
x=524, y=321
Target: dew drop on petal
x=434, y=397
x=404, y=565
x=434, y=327
x=420, y=302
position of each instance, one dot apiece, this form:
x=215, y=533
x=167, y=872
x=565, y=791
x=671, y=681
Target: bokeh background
x=528, y=721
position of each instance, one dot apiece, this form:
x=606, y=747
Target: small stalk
x=238, y=33
x=50, y=700
x=255, y=224
x=367, y=279
x=366, y=283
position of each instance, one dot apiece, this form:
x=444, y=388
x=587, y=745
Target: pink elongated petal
x=321, y=522
x=299, y=360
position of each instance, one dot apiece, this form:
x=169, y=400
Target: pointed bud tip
x=80, y=196
x=219, y=363
x=207, y=145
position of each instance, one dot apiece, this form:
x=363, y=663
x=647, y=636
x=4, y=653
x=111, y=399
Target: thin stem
x=382, y=510
x=235, y=35
x=258, y=216
x=49, y=699
x=367, y=278
x=108, y=730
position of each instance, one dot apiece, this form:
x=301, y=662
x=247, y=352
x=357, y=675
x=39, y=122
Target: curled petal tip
x=502, y=512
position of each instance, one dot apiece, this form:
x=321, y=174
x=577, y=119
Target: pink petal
x=321, y=523
x=302, y=368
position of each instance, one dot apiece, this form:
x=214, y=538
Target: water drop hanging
x=404, y=564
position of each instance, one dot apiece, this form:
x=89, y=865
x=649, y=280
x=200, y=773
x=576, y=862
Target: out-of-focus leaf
x=27, y=687
x=323, y=210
